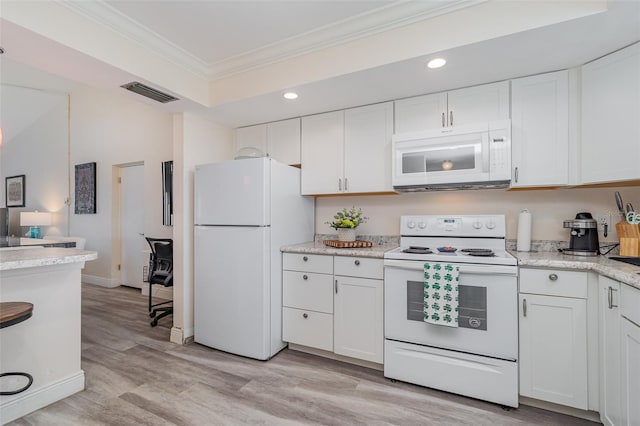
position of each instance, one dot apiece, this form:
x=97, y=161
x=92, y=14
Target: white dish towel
x=441, y=294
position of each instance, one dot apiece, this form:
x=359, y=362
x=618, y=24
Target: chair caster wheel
x=152, y=314
x=154, y=323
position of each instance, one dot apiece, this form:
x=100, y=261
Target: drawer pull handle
x=305, y=316
x=305, y=258
x=357, y=262
x=553, y=277
x=336, y=286
x=524, y=307
x=305, y=277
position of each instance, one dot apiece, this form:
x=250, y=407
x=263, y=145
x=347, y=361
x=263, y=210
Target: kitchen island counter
x=619, y=271
x=318, y=247
x=46, y=345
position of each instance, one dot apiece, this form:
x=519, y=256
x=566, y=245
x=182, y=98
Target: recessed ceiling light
x=436, y=63
x=290, y=95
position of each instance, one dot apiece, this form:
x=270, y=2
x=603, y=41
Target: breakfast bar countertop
x=619, y=271
x=20, y=258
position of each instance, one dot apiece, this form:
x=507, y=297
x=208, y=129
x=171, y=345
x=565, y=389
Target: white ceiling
x=213, y=33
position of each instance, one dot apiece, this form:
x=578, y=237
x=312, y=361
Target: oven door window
x=472, y=305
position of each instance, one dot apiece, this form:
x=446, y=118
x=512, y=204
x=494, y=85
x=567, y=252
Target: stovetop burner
x=418, y=250
x=479, y=252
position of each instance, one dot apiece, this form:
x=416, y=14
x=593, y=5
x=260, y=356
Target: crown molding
x=109, y=17
x=373, y=22
x=382, y=19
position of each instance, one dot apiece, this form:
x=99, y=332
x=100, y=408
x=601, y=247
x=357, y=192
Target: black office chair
x=160, y=272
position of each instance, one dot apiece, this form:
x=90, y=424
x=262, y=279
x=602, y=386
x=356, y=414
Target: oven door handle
x=464, y=268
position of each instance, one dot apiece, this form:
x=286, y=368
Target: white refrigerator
x=245, y=210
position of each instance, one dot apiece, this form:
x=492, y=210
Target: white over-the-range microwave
x=474, y=156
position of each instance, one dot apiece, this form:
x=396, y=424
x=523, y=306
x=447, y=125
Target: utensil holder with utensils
x=629, y=236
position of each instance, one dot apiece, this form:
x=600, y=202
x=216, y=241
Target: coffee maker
x=584, y=235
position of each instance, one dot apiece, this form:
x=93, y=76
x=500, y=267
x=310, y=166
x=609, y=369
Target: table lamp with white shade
x=35, y=220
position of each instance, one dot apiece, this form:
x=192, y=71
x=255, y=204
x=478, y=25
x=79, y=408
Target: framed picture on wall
x=167, y=193
x=14, y=191
x=85, y=181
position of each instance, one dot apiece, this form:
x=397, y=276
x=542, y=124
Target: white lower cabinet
x=630, y=355
x=357, y=321
x=334, y=304
x=630, y=373
x=609, y=343
x=553, y=337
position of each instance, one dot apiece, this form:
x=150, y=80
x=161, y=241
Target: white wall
x=196, y=141
x=113, y=130
x=38, y=150
x=548, y=208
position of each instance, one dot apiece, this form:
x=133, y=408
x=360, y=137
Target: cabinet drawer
x=630, y=303
x=306, y=290
x=307, y=328
x=358, y=267
x=307, y=263
x=554, y=282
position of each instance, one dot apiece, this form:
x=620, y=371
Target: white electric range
x=479, y=357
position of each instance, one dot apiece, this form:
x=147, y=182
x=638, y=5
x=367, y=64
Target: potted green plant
x=346, y=222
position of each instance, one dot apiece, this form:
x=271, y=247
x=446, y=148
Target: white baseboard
x=176, y=335
x=180, y=336
x=30, y=401
x=101, y=281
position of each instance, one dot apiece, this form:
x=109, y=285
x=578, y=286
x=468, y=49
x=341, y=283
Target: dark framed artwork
x=14, y=191
x=85, y=180
x=167, y=193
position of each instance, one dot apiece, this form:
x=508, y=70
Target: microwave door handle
x=485, y=152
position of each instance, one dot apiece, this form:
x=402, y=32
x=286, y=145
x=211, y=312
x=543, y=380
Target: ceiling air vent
x=149, y=92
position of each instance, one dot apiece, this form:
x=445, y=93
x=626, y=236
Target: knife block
x=629, y=236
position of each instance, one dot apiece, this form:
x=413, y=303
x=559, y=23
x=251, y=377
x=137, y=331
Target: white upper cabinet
x=347, y=151
x=540, y=130
x=479, y=104
x=322, y=153
x=279, y=140
x=252, y=136
x=367, y=148
x=421, y=113
x=283, y=139
x=610, y=149
x=471, y=105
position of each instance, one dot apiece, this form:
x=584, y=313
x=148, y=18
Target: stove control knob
x=477, y=225
x=411, y=225
x=490, y=225
x=422, y=225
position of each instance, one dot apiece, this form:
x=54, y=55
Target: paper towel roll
x=524, y=231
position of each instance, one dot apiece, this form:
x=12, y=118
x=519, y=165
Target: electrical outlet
x=604, y=219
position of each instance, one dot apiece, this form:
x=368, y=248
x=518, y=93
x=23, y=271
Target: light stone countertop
x=619, y=271
x=377, y=251
x=20, y=258
x=614, y=269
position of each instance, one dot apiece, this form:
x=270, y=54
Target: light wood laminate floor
x=134, y=376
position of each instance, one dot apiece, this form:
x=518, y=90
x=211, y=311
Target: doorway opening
x=132, y=257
